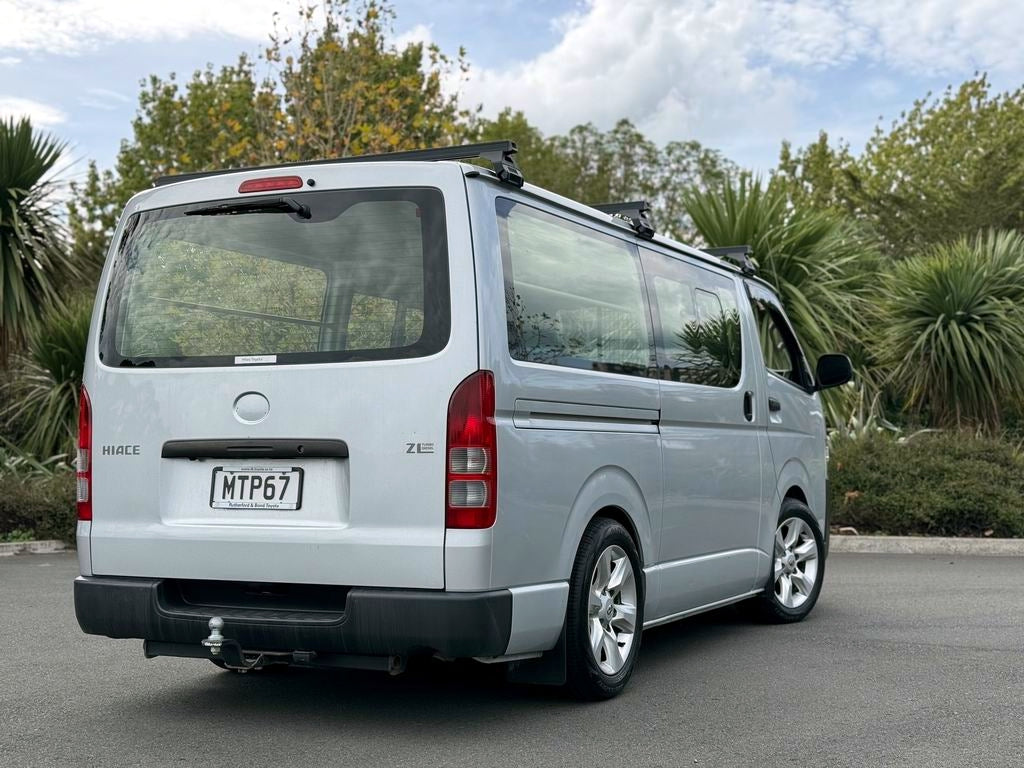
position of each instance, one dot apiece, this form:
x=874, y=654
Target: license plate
x=256, y=488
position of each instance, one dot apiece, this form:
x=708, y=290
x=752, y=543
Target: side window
x=697, y=322
x=779, y=347
x=573, y=296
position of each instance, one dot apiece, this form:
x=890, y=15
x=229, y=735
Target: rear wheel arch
x=622, y=517
x=796, y=492
x=613, y=493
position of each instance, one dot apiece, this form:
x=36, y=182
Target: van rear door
x=271, y=374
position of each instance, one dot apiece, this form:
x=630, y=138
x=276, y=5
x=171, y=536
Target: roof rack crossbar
x=636, y=212
x=500, y=154
x=740, y=255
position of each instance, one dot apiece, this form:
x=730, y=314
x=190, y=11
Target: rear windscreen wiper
x=273, y=205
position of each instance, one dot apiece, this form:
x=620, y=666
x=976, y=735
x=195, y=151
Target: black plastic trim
x=500, y=154
x=287, y=448
x=375, y=621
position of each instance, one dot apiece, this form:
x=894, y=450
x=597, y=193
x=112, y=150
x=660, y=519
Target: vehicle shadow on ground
x=429, y=694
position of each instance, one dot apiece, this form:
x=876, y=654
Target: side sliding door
x=712, y=434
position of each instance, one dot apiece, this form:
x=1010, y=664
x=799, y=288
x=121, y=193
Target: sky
x=737, y=75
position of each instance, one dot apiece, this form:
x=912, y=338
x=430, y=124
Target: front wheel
x=798, y=566
x=604, y=619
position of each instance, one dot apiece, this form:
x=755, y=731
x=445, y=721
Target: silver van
x=350, y=412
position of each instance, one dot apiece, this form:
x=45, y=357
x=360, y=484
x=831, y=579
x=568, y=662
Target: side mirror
x=833, y=370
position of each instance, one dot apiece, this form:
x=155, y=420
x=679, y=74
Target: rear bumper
x=372, y=622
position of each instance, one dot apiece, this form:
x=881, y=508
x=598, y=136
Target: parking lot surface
x=907, y=660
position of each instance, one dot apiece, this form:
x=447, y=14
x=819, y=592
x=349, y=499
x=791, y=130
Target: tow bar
x=228, y=651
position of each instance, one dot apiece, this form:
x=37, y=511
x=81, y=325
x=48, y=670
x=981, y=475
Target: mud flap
x=548, y=669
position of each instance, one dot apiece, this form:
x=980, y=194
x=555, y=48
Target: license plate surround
x=261, y=504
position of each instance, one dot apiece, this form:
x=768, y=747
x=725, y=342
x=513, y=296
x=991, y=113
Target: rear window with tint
x=364, y=277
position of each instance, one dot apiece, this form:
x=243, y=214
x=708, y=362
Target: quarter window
x=697, y=322
x=779, y=347
x=573, y=296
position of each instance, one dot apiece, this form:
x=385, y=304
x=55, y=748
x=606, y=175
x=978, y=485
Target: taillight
x=270, y=183
x=471, y=482
x=84, y=457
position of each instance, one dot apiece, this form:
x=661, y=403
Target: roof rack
x=740, y=255
x=636, y=212
x=500, y=154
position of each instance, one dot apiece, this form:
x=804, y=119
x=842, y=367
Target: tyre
x=798, y=566
x=604, y=619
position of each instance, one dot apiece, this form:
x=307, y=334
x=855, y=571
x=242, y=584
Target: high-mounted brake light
x=270, y=183
x=84, y=457
x=471, y=477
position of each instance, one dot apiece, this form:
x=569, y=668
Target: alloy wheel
x=612, y=609
x=796, y=562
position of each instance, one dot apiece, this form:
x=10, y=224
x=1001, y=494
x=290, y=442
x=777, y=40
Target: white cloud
x=41, y=115
x=421, y=33
x=103, y=99
x=9, y=61
x=77, y=26
x=733, y=72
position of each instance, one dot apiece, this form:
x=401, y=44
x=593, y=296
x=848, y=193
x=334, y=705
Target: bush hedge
x=41, y=503
x=939, y=485
x=944, y=484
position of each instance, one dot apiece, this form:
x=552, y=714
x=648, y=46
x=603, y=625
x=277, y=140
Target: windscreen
x=309, y=277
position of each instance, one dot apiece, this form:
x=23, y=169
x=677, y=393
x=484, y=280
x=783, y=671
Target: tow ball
x=228, y=651
x=216, y=639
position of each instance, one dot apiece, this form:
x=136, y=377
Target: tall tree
x=817, y=260
x=33, y=245
x=349, y=91
x=214, y=120
x=948, y=167
x=337, y=86
x=620, y=164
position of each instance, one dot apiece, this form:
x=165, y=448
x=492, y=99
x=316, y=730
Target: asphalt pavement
x=906, y=660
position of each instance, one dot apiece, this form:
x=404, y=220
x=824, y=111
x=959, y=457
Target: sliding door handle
x=748, y=405
x=774, y=405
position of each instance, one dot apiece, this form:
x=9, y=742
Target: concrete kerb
x=888, y=545
x=45, y=547
x=926, y=545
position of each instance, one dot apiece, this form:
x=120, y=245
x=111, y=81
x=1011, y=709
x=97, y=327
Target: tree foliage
x=952, y=329
x=33, y=257
x=816, y=260
x=336, y=86
x=620, y=164
x=349, y=91
x=41, y=400
x=948, y=167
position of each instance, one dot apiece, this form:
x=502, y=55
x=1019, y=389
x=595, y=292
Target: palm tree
x=816, y=260
x=33, y=245
x=952, y=329
x=39, y=403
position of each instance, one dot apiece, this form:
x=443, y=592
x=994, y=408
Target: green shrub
x=43, y=505
x=36, y=498
x=41, y=392
x=943, y=484
x=951, y=326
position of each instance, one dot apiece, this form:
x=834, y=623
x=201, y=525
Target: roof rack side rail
x=500, y=154
x=740, y=255
x=636, y=212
